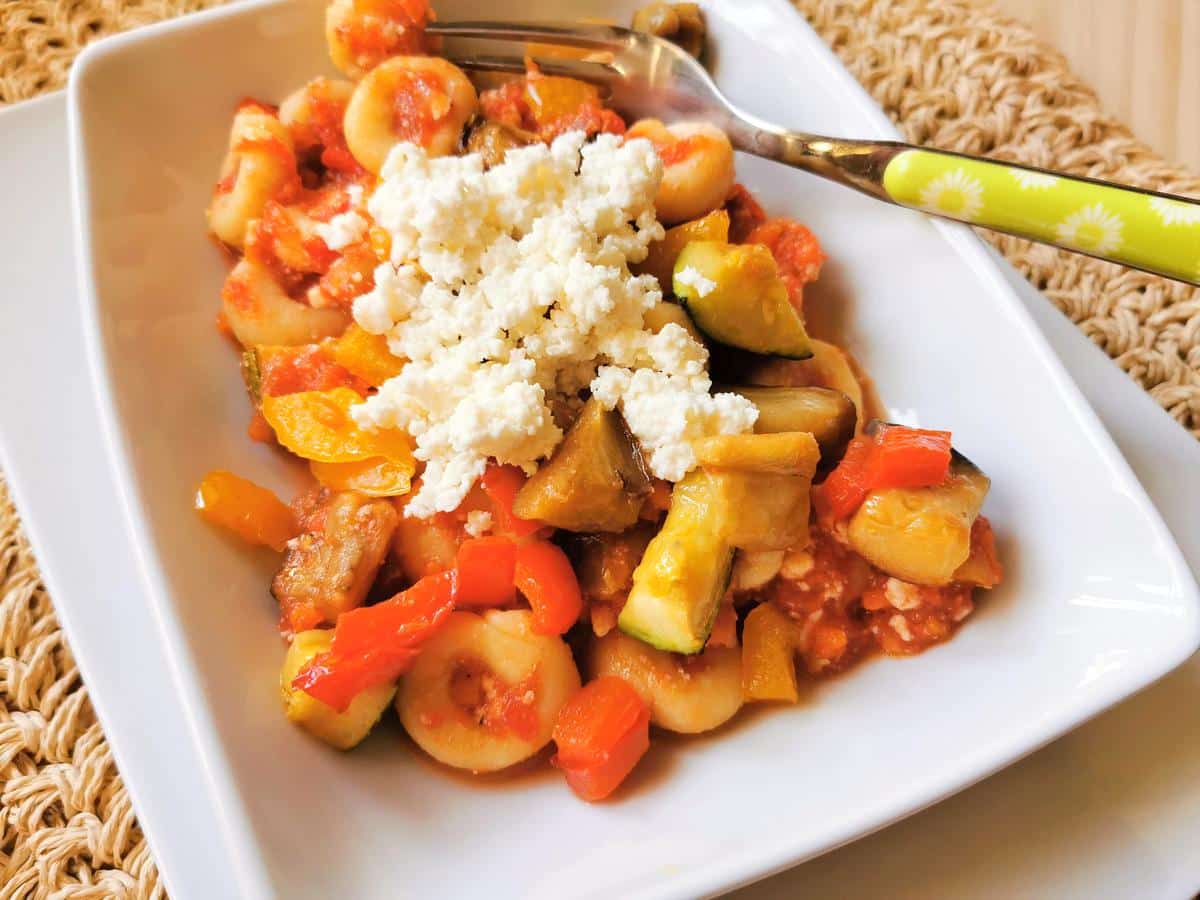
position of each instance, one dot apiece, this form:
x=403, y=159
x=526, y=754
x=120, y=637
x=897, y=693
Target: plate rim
x=746, y=865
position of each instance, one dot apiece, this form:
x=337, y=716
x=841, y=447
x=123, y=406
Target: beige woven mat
x=951, y=74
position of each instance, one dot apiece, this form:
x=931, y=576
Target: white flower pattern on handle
x=1033, y=181
x=1093, y=229
x=1172, y=212
x=955, y=194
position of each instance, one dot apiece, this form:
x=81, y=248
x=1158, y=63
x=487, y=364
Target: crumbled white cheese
x=902, y=594
x=342, y=230
x=900, y=626
x=479, y=522
x=691, y=277
x=509, y=289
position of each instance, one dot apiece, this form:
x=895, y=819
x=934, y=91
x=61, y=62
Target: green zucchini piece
x=828, y=415
x=734, y=294
x=921, y=535
x=684, y=572
x=252, y=376
x=595, y=481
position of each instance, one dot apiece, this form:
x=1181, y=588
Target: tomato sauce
x=677, y=151
x=848, y=611
x=745, y=214
x=377, y=29
x=549, y=106
x=797, y=253
x=420, y=103
x=307, y=368
x=487, y=700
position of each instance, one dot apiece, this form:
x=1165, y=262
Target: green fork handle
x=1145, y=230
x=1142, y=229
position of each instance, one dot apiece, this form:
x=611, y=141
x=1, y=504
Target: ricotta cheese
x=508, y=290
x=342, y=230
x=691, y=277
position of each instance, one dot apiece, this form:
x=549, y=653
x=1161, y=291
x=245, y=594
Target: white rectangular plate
x=1097, y=605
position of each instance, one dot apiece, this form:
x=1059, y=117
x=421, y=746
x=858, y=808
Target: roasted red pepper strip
x=485, y=573
x=501, y=484
x=373, y=645
x=908, y=458
x=895, y=457
x=544, y=575
x=601, y=733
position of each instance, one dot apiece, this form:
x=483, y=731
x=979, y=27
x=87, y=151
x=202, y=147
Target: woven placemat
x=952, y=74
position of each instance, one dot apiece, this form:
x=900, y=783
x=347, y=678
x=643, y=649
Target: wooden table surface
x=1141, y=56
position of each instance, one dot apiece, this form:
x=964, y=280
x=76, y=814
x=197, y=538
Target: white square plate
x=1097, y=604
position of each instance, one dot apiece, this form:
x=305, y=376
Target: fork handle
x=1142, y=229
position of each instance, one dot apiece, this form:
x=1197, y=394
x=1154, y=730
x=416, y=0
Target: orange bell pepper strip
x=374, y=645
x=544, y=575
x=251, y=512
x=601, y=733
x=485, y=573
x=894, y=457
x=501, y=484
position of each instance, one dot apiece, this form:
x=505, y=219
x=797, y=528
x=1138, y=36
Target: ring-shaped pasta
x=260, y=166
x=361, y=34
x=423, y=100
x=259, y=311
x=313, y=115
x=686, y=694
x=697, y=167
x=485, y=692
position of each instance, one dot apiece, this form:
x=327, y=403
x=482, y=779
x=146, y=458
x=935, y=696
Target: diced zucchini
x=921, y=535
x=338, y=729
x=735, y=295
x=595, y=481
x=252, y=376
x=684, y=572
x=784, y=453
x=828, y=415
x=660, y=259
x=768, y=511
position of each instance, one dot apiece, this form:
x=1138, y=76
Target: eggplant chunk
x=595, y=481
x=828, y=415
x=332, y=568
x=921, y=535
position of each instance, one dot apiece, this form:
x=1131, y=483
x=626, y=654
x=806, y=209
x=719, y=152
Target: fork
x=644, y=75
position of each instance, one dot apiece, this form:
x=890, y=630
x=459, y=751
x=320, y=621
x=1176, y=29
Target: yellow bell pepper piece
x=769, y=641
x=317, y=425
x=251, y=512
x=375, y=477
x=366, y=355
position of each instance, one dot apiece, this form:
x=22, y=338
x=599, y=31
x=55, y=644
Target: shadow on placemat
x=952, y=75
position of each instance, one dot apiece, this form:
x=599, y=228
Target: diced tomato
x=306, y=368
x=744, y=213
x=895, y=457
x=351, y=275
x=501, y=484
x=485, y=572
x=601, y=733
x=374, y=645
x=544, y=575
x=797, y=254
